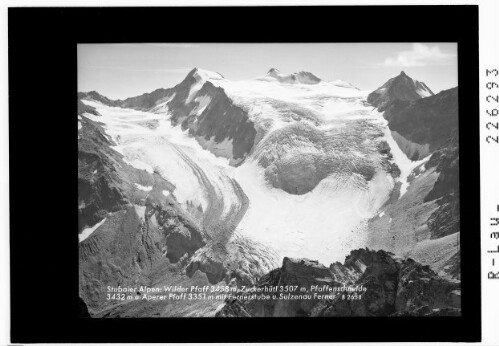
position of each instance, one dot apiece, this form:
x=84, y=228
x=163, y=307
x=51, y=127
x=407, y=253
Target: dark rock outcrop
x=146, y=101
x=445, y=219
x=446, y=162
x=95, y=96
x=221, y=121
x=100, y=184
x=380, y=285
x=83, y=309
x=83, y=108
x=428, y=121
x=132, y=247
x=182, y=235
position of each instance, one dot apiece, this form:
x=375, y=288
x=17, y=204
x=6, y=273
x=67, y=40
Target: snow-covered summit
x=302, y=77
x=344, y=84
x=204, y=75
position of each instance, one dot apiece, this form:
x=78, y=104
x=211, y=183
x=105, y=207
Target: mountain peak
x=401, y=87
x=200, y=74
x=273, y=70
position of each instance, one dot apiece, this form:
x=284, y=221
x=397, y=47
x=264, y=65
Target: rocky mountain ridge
x=393, y=287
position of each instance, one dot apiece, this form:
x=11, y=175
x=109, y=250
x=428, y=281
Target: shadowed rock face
x=446, y=162
x=393, y=287
x=427, y=121
x=100, y=186
x=445, y=220
x=221, y=120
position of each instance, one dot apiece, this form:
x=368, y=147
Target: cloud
x=419, y=55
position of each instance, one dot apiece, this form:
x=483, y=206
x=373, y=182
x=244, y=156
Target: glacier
x=307, y=188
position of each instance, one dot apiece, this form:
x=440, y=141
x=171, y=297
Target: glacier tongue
x=324, y=224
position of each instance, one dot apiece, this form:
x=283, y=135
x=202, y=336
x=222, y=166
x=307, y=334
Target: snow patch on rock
x=203, y=101
x=88, y=231
x=223, y=148
x=411, y=149
x=143, y=188
x=140, y=210
x=405, y=164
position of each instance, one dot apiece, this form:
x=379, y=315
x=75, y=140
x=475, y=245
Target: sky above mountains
x=124, y=70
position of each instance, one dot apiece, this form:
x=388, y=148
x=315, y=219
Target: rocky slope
x=393, y=287
x=424, y=222
x=127, y=234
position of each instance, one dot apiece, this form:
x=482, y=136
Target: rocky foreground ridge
x=393, y=287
